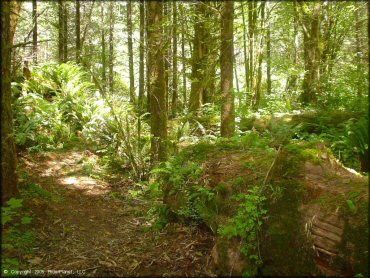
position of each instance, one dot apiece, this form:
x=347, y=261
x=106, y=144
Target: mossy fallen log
x=316, y=219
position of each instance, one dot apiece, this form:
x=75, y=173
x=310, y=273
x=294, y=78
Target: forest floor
x=96, y=227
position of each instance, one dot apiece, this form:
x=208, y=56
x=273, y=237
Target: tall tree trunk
x=251, y=8
x=167, y=35
x=227, y=49
x=34, y=37
x=358, y=51
x=103, y=57
x=268, y=50
x=174, y=61
x=78, y=32
x=311, y=86
x=246, y=62
x=130, y=51
x=65, y=32
x=9, y=180
x=259, y=55
x=183, y=58
x=141, y=71
x=296, y=45
x=147, y=56
x=60, y=31
x=158, y=115
x=198, y=72
x=111, y=53
x=141, y=57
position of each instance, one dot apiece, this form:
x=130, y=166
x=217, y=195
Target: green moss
x=285, y=250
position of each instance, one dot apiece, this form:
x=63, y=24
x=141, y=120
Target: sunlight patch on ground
x=89, y=185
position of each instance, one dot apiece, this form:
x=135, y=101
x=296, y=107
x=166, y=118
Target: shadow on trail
x=82, y=227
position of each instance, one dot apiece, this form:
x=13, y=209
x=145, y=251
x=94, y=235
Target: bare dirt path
x=82, y=226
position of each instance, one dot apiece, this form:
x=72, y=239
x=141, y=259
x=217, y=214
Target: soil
x=83, y=228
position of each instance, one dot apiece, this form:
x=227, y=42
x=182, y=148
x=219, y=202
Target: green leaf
x=15, y=203
x=26, y=220
x=351, y=206
x=6, y=218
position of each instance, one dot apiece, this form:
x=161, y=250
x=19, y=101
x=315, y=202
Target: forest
x=184, y=138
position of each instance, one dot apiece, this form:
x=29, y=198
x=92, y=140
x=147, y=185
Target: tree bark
x=227, y=49
x=198, y=70
x=174, y=61
x=141, y=57
x=111, y=53
x=358, y=51
x=103, y=57
x=34, y=37
x=60, y=31
x=147, y=56
x=259, y=55
x=311, y=84
x=268, y=50
x=246, y=62
x=130, y=51
x=65, y=32
x=9, y=180
x=251, y=28
x=158, y=113
x=296, y=46
x=183, y=58
x=78, y=32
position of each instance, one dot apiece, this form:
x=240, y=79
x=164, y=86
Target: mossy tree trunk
x=197, y=75
x=141, y=57
x=103, y=56
x=227, y=53
x=34, y=31
x=78, y=31
x=311, y=81
x=158, y=111
x=111, y=53
x=130, y=51
x=9, y=180
x=174, y=105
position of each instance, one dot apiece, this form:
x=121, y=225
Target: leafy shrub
x=14, y=237
x=52, y=105
x=247, y=223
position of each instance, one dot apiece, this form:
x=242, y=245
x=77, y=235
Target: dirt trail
x=84, y=228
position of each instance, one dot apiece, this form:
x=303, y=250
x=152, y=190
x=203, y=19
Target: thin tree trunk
x=60, y=31
x=111, y=53
x=311, y=86
x=78, y=32
x=141, y=71
x=259, y=67
x=141, y=57
x=166, y=15
x=358, y=51
x=183, y=57
x=227, y=49
x=147, y=56
x=268, y=45
x=158, y=115
x=251, y=44
x=174, y=61
x=246, y=62
x=130, y=51
x=198, y=70
x=34, y=37
x=65, y=32
x=296, y=45
x=9, y=179
x=103, y=58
